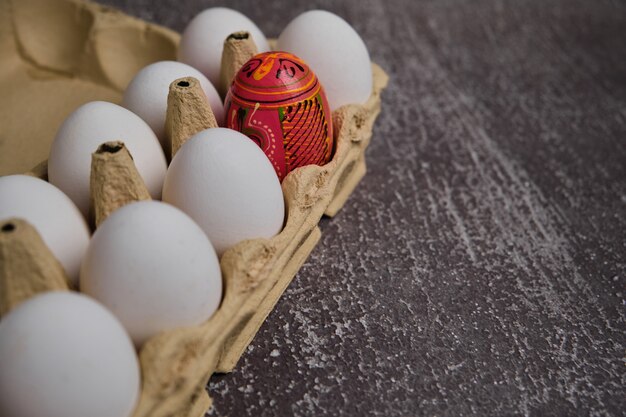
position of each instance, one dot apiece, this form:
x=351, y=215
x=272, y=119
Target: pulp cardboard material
x=57, y=55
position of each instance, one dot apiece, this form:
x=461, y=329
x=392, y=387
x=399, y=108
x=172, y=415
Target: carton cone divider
x=114, y=181
x=188, y=112
x=27, y=266
x=239, y=47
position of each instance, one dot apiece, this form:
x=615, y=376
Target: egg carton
x=176, y=364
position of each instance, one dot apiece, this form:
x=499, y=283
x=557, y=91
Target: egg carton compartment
x=58, y=55
x=63, y=53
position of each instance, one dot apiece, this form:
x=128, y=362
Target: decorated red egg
x=278, y=102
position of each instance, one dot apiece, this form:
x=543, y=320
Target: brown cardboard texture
x=57, y=55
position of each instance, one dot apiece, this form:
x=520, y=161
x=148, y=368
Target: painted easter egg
x=278, y=102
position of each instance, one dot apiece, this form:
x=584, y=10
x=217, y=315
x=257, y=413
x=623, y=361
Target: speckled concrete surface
x=480, y=267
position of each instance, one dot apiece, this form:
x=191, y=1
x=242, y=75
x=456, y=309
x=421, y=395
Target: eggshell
x=64, y=355
x=146, y=95
x=224, y=181
x=92, y=124
x=336, y=53
x=154, y=268
x=202, y=41
x=277, y=101
x=55, y=217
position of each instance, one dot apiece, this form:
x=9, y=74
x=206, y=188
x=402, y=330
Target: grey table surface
x=480, y=266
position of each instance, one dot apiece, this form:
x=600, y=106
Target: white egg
x=55, y=217
x=224, y=181
x=92, y=124
x=146, y=95
x=64, y=355
x=334, y=51
x=202, y=41
x=154, y=268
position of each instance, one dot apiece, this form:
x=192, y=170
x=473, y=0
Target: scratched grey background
x=480, y=267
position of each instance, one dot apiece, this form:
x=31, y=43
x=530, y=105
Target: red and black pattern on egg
x=278, y=102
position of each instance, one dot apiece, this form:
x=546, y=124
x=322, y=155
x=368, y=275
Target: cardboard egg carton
x=94, y=58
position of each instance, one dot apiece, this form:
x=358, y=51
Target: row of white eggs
x=326, y=42
x=149, y=263
x=152, y=266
